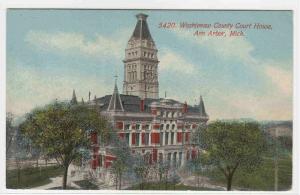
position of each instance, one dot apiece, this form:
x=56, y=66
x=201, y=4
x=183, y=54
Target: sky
x=52, y=52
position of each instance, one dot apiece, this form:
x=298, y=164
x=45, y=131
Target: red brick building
x=157, y=127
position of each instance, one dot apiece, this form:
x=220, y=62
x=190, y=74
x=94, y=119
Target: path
x=204, y=182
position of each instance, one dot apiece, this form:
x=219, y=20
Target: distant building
x=158, y=128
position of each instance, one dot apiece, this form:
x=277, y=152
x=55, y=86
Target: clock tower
x=141, y=63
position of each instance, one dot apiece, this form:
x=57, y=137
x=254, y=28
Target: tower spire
x=115, y=103
x=74, y=99
x=202, y=108
x=141, y=30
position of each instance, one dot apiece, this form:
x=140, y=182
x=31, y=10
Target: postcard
x=133, y=100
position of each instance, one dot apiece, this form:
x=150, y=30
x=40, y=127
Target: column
x=171, y=159
x=163, y=138
x=183, y=157
x=169, y=138
x=140, y=139
x=130, y=139
x=150, y=139
x=175, y=138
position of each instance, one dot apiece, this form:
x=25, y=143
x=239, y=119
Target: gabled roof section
x=115, y=103
x=141, y=30
x=202, y=108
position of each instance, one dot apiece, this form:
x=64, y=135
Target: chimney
x=184, y=110
x=142, y=105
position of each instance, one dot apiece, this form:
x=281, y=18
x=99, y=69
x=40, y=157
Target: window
x=161, y=139
x=158, y=113
x=161, y=126
x=147, y=127
x=165, y=114
x=127, y=127
x=127, y=137
x=138, y=127
x=174, y=159
x=167, y=126
x=172, y=138
x=180, y=158
x=147, y=139
x=166, y=138
x=173, y=126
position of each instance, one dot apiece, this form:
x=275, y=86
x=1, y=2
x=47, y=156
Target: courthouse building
x=158, y=128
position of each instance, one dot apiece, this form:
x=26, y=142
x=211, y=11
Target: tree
x=124, y=159
x=10, y=133
x=61, y=130
x=232, y=145
x=141, y=169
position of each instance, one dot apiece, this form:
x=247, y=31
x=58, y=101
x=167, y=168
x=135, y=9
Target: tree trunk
x=117, y=178
x=65, y=176
x=120, y=181
x=19, y=175
x=229, y=182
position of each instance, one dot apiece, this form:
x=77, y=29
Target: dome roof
x=154, y=104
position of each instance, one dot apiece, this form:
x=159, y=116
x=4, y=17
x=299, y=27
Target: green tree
x=10, y=133
x=232, y=145
x=141, y=169
x=61, y=130
x=124, y=159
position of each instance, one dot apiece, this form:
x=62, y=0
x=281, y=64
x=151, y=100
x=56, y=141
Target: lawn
x=31, y=177
x=260, y=179
x=86, y=185
x=168, y=186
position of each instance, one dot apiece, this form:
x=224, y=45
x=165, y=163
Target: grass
x=31, y=177
x=60, y=188
x=86, y=185
x=261, y=179
x=169, y=186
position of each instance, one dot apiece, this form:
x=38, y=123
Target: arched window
x=167, y=126
x=173, y=126
x=161, y=126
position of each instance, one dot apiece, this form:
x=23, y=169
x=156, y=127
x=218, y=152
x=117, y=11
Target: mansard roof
x=131, y=103
x=141, y=30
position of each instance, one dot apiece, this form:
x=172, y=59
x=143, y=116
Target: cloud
x=173, y=62
x=235, y=103
x=28, y=88
x=77, y=43
x=280, y=78
x=229, y=102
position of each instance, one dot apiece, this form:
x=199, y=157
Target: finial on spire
x=141, y=16
x=116, y=78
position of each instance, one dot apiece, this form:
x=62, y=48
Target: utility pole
x=276, y=161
